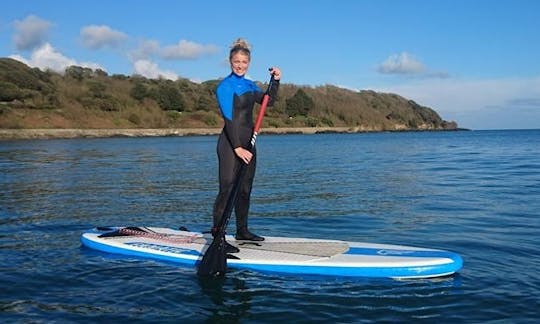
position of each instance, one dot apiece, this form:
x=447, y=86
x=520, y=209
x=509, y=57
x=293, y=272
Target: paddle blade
x=214, y=261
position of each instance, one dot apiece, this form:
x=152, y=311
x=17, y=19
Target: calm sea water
x=475, y=193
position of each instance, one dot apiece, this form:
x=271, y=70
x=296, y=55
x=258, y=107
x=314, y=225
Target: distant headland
x=89, y=103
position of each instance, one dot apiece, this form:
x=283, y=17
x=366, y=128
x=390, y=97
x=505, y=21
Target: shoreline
x=56, y=133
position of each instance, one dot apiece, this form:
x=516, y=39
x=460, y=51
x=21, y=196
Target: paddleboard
x=279, y=254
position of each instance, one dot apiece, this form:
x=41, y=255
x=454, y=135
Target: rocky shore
x=7, y=134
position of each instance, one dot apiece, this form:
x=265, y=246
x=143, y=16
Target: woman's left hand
x=276, y=72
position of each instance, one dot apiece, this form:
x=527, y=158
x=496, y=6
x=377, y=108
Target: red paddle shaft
x=258, y=122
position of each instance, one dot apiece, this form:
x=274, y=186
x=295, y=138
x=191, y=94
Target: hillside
x=82, y=98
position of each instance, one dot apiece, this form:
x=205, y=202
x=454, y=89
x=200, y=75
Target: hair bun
x=240, y=43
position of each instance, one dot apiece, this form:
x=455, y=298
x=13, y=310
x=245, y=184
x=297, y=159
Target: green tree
x=79, y=72
x=169, y=97
x=75, y=72
x=10, y=92
x=138, y=91
x=205, y=103
x=97, y=89
x=299, y=105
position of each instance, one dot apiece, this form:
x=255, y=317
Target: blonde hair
x=240, y=46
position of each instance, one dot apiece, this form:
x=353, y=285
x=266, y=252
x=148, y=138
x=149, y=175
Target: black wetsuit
x=236, y=97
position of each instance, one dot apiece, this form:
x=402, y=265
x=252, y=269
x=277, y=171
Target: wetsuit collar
x=234, y=75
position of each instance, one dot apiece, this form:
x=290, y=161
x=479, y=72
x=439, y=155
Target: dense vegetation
x=85, y=98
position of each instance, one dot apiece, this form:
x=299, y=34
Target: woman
x=236, y=97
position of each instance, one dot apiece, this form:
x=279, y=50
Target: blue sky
x=476, y=62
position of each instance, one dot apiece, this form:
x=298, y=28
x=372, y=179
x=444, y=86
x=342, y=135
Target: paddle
x=214, y=261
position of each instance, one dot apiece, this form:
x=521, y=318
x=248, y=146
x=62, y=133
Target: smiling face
x=240, y=63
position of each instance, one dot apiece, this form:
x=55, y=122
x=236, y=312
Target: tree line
x=83, y=98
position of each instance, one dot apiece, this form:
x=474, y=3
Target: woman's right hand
x=243, y=154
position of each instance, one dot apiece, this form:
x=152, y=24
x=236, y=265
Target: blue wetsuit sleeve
x=225, y=96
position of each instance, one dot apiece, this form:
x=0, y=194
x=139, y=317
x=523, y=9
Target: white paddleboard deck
x=279, y=254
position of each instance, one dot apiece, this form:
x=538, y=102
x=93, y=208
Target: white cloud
x=96, y=37
x=187, y=50
x=47, y=57
x=145, y=50
x=151, y=70
x=183, y=50
x=478, y=104
x=403, y=63
x=30, y=32
x=148, y=50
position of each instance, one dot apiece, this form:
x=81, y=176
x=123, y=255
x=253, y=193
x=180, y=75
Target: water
x=475, y=193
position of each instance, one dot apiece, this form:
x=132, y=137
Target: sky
x=476, y=62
